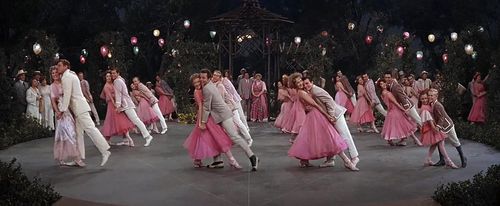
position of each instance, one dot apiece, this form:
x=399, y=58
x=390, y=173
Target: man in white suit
x=336, y=111
x=153, y=101
x=214, y=105
x=73, y=99
x=124, y=103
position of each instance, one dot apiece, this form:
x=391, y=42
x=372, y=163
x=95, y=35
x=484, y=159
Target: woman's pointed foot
x=234, y=163
x=450, y=164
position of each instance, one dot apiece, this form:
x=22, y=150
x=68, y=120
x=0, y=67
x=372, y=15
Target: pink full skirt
x=317, y=139
x=166, y=105
x=397, y=125
x=362, y=113
x=146, y=113
x=478, y=111
x=207, y=143
x=285, y=109
x=429, y=136
x=295, y=118
x=116, y=123
x=342, y=99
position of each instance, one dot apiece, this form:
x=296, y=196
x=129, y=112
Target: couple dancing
x=215, y=131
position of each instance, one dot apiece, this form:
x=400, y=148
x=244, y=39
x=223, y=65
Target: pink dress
x=294, y=119
x=259, y=104
x=65, y=144
x=428, y=136
x=317, y=138
x=286, y=105
x=164, y=102
x=342, y=99
x=206, y=143
x=397, y=124
x=143, y=109
x=116, y=123
x=362, y=112
x=478, y=110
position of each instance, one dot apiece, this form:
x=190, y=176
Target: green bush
x=486, y=134
x=481, y=190
x=21, y=129
x=17, y=189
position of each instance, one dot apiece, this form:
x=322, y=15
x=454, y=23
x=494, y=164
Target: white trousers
x=94, y=112
x=343, y=130
x=132, y=115
x=452, y=136
x=381, y=109
x=158, y=113
x=228, y=125
x=414, y=115
x=243, y=118
x=241, y=126
x=85, y=123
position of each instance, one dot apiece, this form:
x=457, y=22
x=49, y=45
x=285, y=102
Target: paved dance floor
x=162, y=174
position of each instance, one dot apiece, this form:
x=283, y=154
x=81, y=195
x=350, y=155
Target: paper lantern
x=84, y=52
x=445, y=58
x=104, y=50
x=133, y=40
x=135, y=50
x=324, y=33
x=161, y=42
x=400, y=51
x=454, y=36
x=368, y=39
x=469, y=49
x=37, y=48
x=82, y=59
x=110, y=55
x=431, y=38
x=351, y=26
x=156, y=33
x=297, y=40
x=187, y=24
x=406, y=35
x=420, y=55
x=212, y=34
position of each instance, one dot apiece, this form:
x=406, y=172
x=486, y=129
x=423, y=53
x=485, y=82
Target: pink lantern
x=324, y=33
x=104, y=50
x=368, y=39
x=406, y=35
x=82, y=59
x=400, y=50
x=445, y=58
x=161, y=42
x=133, y=40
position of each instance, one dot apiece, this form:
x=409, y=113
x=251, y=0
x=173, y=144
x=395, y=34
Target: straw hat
x=21, y=72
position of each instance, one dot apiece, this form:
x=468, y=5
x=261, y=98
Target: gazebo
x=249, y=30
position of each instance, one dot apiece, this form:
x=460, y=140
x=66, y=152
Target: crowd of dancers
x=316, y=121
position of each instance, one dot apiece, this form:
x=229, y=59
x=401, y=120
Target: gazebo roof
x=250, y=11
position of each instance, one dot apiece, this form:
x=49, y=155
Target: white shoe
x=105, y=158
x=250, y=142
x=355, y=161
x=72, y=163
x=148, y=141
x=329, y=163
x=164, y=131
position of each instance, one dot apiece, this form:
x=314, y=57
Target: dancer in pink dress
x=410, y=91
x=397, y=126
x=65, y=144
x=143, y=108
x=165, y=94
x=478, y=111
x=343, y=96
x=208, y=142
x=430, y=134
x=116, y=123
x=363, y=112
x=317, y=137
x=259, y=101
x=286, y=103
x=296, y=116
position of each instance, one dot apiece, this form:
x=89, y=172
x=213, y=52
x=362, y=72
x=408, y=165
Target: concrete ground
x=163, y=174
